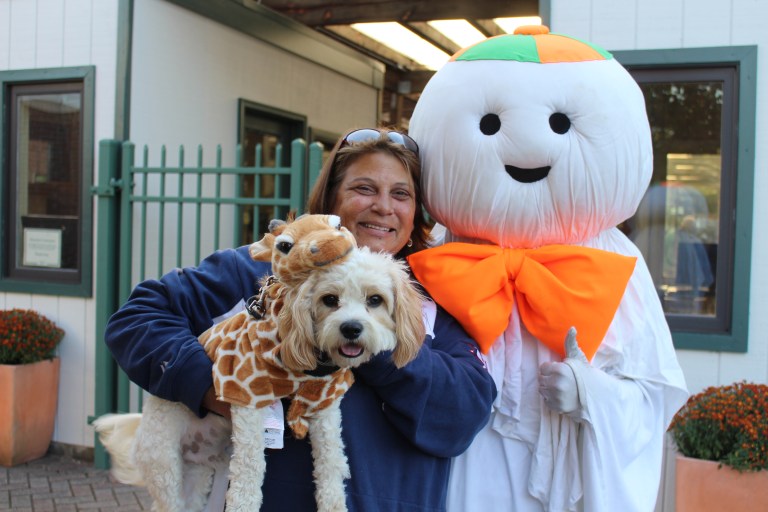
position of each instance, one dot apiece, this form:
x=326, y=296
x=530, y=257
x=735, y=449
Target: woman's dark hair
x=322, y=198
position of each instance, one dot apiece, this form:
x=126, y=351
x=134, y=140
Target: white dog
x=329, y=307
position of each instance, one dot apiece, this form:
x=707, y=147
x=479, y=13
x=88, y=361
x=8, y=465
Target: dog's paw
x=299, y=427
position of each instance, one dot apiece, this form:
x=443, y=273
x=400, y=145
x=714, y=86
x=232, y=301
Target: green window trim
x=86, y=74
x=744, y=58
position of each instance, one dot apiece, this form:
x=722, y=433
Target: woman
x=400, y=427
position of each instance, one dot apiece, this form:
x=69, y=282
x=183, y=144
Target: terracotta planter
x=28, y=396
x=701, y=486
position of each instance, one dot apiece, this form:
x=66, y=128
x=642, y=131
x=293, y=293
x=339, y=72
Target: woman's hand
x=215, y=405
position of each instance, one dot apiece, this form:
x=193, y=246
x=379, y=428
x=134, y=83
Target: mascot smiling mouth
x=527, y=175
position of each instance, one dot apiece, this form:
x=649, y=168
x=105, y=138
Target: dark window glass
x=683, y=225
x=45, y=181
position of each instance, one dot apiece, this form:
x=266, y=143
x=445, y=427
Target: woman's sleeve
x=441, y=399
x=153, y=336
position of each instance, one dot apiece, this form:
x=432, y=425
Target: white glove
x=559, y=383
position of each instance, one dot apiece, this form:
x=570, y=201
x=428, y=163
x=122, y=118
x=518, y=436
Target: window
x=690, y=226
x=46, y=215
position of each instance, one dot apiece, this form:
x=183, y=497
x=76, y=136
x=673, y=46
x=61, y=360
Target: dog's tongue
x=351, y=349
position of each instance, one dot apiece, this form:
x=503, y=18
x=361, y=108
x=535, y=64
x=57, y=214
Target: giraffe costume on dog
x=248, y=370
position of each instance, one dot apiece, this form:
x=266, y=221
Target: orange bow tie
x=555, y=287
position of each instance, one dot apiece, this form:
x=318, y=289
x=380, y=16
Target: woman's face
x=376, y=202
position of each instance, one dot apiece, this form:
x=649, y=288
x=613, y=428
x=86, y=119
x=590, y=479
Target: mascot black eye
x=559, y=123
x=490, y=124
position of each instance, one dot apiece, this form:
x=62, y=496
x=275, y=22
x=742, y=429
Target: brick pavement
x=59, y=483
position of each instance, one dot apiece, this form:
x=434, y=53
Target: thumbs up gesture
x=558, y=383
x=572, y=349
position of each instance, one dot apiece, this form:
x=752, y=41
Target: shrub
x=27, y=337
x=727, y=424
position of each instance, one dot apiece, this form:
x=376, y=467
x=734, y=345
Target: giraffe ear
x=276, y=226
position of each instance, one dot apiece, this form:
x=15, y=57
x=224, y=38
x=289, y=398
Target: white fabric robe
x=607, y=457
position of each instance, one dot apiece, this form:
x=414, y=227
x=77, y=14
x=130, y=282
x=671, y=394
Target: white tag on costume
x=274, y=425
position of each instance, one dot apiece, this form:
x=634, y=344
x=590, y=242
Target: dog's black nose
x=351, y=330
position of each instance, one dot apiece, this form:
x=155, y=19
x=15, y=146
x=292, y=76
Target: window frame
x=744, y=60
x=45, y=281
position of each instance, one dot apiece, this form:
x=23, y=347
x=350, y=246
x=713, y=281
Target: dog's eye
x=331, y=301
x=284, y=247
x=375, y=301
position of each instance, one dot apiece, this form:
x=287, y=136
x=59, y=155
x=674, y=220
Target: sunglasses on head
x=366, y=134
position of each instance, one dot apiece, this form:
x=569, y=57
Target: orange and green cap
x=533, y=43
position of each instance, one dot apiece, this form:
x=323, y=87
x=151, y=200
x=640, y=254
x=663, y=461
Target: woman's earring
x=410, y=243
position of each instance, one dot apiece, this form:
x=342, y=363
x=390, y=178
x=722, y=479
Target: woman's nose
x=382, y=204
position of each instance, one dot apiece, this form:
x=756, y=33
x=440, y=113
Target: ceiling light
x=509, y=25
x=404, y=41
x=460, y=32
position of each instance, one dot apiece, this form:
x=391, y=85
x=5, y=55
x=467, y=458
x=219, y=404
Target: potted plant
x=29, y=379
x=721, y=435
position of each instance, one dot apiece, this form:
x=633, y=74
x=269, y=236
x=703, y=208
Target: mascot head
x=532, y=139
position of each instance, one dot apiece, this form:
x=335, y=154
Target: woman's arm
x=153, y=336
x=441, y=399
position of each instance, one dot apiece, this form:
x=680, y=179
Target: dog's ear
x=296, y=329
x=409, y=321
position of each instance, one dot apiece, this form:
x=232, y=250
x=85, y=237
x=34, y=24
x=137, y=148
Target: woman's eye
x=366, y=190
x=375, y=301
x=402, y=194
x=331, y=301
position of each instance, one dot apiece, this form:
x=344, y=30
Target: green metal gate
x=154, y=218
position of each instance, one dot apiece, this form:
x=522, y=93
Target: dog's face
x=351, y=311
x=296, y=248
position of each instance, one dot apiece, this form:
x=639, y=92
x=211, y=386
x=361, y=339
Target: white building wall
x=38, y=34
x=670, y=24
x=189, y=72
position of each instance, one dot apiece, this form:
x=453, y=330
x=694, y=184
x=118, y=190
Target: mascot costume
x=535, y=146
